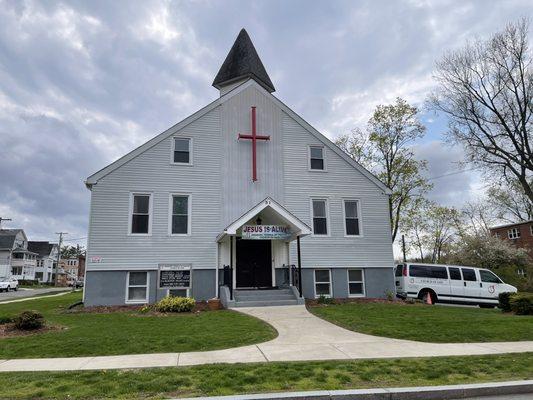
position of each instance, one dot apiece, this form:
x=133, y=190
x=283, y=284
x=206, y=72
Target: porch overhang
x=272, y=209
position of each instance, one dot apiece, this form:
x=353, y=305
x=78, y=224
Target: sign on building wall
x=266, y=232
x=174, y=276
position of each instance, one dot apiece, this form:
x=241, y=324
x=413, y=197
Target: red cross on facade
x=254, y=137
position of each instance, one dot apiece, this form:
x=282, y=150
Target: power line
x=4, y=219
x=451, y=173
x=73, y=240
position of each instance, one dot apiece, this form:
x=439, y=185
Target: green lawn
x=89, y=334
x=428, y=323
x=220, y=379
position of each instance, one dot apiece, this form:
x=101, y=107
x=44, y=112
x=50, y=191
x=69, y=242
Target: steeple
x=242, y=62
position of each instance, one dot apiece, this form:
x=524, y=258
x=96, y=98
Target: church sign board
x=174, y=276
x=258, y=232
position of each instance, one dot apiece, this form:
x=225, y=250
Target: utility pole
x=4, y=219
x=59, y=254
x=403, y=248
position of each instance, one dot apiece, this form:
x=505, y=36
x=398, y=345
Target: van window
x=399, y=270
x=428, y=271
x=455, y=274
x=469, y=274
x=487, y=276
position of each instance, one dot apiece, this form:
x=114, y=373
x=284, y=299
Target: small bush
x=325, y=300
x=504, y=301
x=175, y=304
x=29, y=321
x=522, y=303
x=5, y=320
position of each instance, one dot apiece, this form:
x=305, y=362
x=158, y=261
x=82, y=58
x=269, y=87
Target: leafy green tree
x=384, y=148
x=72, y=251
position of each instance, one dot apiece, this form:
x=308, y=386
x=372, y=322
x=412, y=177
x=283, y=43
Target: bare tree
x=486, y=89
x=475, y=218
x=385, y=149
x=510, y=202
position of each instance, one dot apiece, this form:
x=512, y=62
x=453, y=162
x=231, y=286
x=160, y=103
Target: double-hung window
x=351, y=218
x=320, y=216
x=356, y=284
x=180, y=214
x=137, y=289
x=513, y=233
x=322, y=282
x=182, y=151
x=141, y=207
x=316, y=158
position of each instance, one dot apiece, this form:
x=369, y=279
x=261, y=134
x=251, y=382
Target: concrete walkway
x=302, y=337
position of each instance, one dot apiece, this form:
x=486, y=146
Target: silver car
x=7, y=284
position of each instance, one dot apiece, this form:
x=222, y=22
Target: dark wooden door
x=254, y=265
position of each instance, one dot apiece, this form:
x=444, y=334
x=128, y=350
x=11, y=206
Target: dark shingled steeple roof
x=242, y=62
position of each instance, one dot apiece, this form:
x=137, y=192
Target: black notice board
x=174, y=279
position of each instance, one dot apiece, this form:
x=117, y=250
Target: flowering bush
x=175, y=304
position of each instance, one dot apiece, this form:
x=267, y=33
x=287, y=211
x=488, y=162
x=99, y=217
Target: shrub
x=522, y=303
x=29, y=320
x=504, y=301
x=325, y=300
x=175, y=304
x=5, y=320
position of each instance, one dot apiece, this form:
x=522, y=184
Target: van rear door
x=399, y=278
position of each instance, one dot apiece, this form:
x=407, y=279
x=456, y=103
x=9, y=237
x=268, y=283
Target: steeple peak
x=242, y=62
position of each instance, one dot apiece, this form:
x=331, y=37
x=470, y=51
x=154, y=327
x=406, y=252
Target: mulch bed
x=8, y=330
x=364, y=300
x=199, y=307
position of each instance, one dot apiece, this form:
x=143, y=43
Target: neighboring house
x=15, y=258
x=198, y=198
x=46, y=260
x=520, y=234
x=68, y=271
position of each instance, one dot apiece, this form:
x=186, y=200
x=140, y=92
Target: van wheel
x=428, y=293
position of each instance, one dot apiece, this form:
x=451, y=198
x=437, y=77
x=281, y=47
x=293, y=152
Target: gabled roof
x=300, y=227
x=241, y=62
x=7, y=238
x=91, y=180
x=42, y=248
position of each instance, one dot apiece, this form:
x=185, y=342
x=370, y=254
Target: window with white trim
x=182, y=151
x=316, y=158
x=320, y=216
x=513, y=233
x=180, y=214
x=322, y=282
x=137, y=289
x=351, y=218
x=356, y=283
x=140, y=214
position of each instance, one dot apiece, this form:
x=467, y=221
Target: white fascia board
x=93, y=179
x=326, y=141
x=278, y=208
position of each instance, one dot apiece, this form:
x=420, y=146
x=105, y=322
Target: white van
x=450, y=284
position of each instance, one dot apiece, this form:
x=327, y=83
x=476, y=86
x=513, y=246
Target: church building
x=242, y=201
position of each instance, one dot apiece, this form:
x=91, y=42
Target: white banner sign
x=266, y=232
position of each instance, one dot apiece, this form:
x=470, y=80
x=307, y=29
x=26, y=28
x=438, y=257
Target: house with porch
x=243, y=201
x=46, y=260
x=16, y=260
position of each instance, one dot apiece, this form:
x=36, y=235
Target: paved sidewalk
x=302, y=337
x=34, y=294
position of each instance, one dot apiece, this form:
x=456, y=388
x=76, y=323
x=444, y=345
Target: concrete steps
x=265, y=297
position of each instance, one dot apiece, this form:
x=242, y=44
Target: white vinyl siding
x=356, y=283
x=137, y=287
x=322, y=282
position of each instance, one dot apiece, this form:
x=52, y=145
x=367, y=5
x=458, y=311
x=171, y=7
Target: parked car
x=77, y=284
x=7, y=284
x=449, y=284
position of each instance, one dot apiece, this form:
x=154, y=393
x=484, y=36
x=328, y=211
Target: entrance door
x=254, y=265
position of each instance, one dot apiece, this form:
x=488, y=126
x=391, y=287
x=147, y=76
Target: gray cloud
x=83, y=82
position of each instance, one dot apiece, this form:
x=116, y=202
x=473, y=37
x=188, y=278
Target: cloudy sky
x=84, y=82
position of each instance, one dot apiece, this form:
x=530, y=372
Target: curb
x=408, y=393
